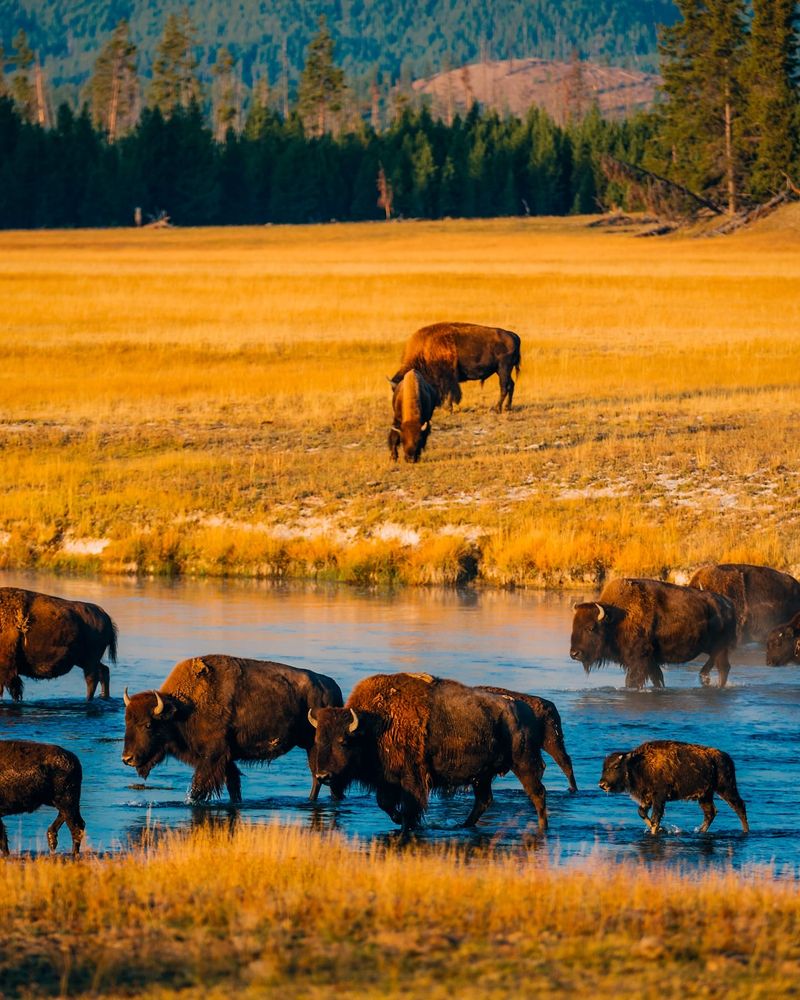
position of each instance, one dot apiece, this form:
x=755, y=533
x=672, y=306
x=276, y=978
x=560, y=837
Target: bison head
x=412, y=437
x=337, y=746
x=149, y=730
x=783, y=643
x=615, y=773
x=589, y=642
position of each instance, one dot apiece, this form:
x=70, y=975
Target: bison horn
x=159, y=705
x=311, y=719
x=425, y=425
x=600, y=611
x=354, y=724
x=126, y=697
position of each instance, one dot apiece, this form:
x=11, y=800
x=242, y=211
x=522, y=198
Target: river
x=514, y=639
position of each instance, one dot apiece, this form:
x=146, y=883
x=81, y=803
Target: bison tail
x=112, y=640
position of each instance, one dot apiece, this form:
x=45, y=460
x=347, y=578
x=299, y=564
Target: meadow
x=256, y=910
x=214, y=402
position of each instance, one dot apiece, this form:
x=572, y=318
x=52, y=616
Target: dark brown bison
x=40, y=774
x=762, y=597
x=214, y=710
x=783, y=643
x=413, y=403
x=642, y=624
x=665, y=771
x=450, y=353
x=406, y=735
x=45, y=637
x=550, y=732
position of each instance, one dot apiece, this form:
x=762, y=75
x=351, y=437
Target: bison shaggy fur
x=550, y=730
x=41, y=774
x=763, y=597
x=783, y=643
x=215, y=710
x=45, y=637
x=404, y=736
x=450, y=353
x=642, y=624
x=413, y=403
x=664, y=771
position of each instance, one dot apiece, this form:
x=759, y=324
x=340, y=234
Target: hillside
x=562, y=88
x=411, y=39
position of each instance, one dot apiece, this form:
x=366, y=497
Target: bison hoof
x=705, y=679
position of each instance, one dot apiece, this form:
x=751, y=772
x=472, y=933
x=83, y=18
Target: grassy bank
x=214, y=402
x=275, y=908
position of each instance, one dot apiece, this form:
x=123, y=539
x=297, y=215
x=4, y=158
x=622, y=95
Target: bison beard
x=406, y=735
x=664, y=771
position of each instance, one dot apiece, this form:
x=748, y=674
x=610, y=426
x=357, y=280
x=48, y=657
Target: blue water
x=517, y=640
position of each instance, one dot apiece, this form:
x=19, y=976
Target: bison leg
x=655, y=816
x=530, y=773
x=105, y=678
x=15, y=686
x=643, y=812
x=92, y=679
x=721, y=662
x=506, y=385
x=735, y=801
x=389, y=801
x=482, y=787
x=52, y=830
x=3, y=838
x=233, y=781
x=558, y=752
x=412, y=810
x=709, y=811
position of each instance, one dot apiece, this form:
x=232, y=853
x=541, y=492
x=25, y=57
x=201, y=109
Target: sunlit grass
x=273, y=908
x=214, y=401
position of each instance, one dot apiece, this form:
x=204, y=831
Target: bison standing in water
x=41, y=774
x=763, y=597
x=405, y=735
x=450, y=353
x=550, y=732
x=665, y=771
x=783, y=643
x=642, y=624
x=413, y=403
x=45, y=637
x=214, y=710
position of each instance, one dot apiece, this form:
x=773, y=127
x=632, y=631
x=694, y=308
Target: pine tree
x=175, y=83
x=3, y=84
x=769, y=78
x=701, y=124
x=114, y=87
x=322, y=85
x=226, y=96
x=22, y=89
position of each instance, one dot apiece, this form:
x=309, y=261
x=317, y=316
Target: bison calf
x=665, y=771
x=41, y=774
x=783, y=643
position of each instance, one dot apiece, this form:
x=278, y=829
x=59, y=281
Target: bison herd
x=435, y=361
x=406, y=735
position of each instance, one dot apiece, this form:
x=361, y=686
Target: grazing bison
x=783, y=643
x=45, y=637
x=642, y=624
x=405, y=735
x=762, y=597
x=550, y=732
x=665, y=770
x=450, y=353
x=413, y=403
x=40, y=774
x=214, y=710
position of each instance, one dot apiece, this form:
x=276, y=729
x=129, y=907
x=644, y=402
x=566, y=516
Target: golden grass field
x=262, y=910
x=214, y=401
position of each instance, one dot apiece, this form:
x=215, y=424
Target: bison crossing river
x=405, y=736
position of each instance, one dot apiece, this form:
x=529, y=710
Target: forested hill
x=401, y=38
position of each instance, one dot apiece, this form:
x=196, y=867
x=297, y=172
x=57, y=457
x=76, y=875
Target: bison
x=642, y=624
x=783, y=643
x=214, y=710
x=45, y=637
x=41, y=774
x=450, y=353
x=762, y=597
x=405, y=735
x=551, y=734
x=413, y=403
x=665, y=771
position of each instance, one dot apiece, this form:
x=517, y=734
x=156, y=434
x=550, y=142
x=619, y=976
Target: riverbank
x=213, y=403
x=272, y=908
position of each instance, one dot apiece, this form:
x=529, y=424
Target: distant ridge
x=563, y=89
